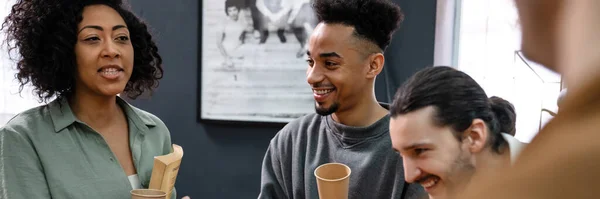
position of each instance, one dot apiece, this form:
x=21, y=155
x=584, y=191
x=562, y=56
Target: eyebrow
x=326, y=55
x=100, y=28
x=415, y=145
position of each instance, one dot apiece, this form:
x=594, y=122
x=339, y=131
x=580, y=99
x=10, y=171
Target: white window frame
x=450, y=25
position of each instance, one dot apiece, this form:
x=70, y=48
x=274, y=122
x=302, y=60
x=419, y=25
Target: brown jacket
x=562, y=161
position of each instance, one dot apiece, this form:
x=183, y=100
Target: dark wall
x=411, y=48
x=224, y=161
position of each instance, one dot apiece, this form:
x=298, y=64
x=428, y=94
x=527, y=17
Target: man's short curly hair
x=373, y=20
x=44, y=32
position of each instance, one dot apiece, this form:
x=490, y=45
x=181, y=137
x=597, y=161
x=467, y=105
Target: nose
x=110, y=50
x=411, y=171
x=314, y=75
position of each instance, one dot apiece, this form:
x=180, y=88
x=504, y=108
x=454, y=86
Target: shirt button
x=112, y=159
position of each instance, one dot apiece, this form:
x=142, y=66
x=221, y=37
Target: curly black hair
x=374, y=20
x=44, y=32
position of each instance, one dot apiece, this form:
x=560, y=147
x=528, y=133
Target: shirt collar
x=515, y=146
x=62, y=115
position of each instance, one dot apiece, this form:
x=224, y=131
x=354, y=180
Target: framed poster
x=252, y=63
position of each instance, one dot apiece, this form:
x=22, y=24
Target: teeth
x=109, y=70
x=429, y=183
x=322, y=92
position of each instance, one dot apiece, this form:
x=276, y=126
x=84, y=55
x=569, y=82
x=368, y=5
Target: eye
x=310, y=62
x=123, y=38
x=92, y=39
x=330, y=63
x=419, y=151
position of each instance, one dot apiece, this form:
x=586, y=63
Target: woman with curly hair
x=87, y=142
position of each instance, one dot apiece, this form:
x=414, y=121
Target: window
x=11, y=102
x=484, y=41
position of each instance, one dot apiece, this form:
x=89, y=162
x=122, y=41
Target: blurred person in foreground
x=563, y=160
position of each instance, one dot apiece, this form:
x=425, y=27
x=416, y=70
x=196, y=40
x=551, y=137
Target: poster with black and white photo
x=253, y=66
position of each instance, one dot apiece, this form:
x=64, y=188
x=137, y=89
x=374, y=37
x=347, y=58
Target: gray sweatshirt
x=304, y=144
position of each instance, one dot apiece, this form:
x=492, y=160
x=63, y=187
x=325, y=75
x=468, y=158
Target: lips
x=110, y=67
x=429, y=182
x=110, y=72
x=321, y=94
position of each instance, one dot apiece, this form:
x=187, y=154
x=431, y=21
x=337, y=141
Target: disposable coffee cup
x=147, y=194
x=333, y=180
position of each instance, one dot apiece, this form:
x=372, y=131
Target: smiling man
x=446, y=129
x=345, y=55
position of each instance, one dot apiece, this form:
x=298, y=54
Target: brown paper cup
x=147, y=194
x=333, y=180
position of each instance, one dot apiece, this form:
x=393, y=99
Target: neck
x=490, y=161
x=364, y=113
x=94, y=110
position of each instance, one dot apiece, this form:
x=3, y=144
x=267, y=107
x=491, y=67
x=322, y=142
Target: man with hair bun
x=446, y=129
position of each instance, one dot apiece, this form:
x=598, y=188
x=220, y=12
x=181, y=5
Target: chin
x=436, y=197
x=439, y=196
x=324, y=110
x=111, y=92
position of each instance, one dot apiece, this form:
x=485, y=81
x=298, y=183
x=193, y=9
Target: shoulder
x=147, y=116
x=299, y=128
x=302, y=124
x=153, y=122
x=28, y=128
x=30, y=122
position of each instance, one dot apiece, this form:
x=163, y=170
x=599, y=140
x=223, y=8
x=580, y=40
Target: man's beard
x=327, y=111
x=460, y=174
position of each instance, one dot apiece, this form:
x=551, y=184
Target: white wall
x=11, y=102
